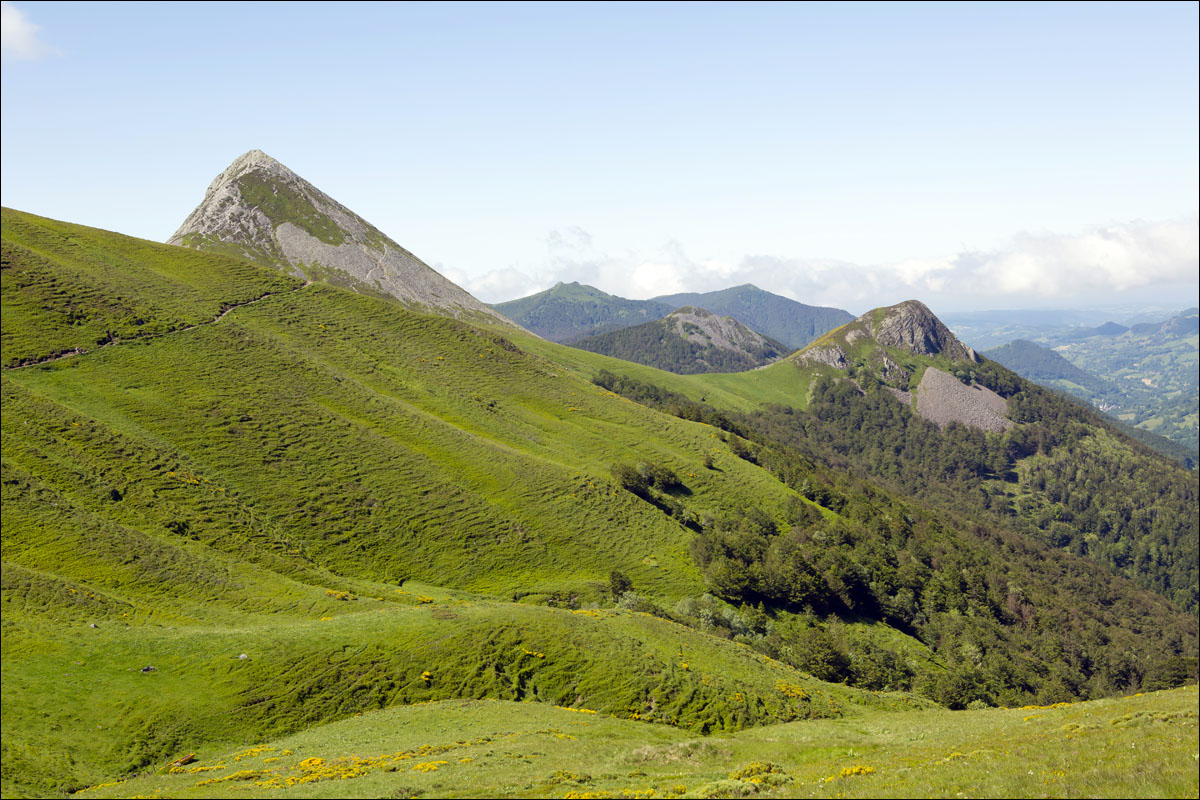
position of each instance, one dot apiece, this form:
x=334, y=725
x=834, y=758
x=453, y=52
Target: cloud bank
x=19, y=38
x=1032, y=269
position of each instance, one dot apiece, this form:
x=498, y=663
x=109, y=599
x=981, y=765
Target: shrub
x=630, y=479
x=618, y=583
x=660, y=477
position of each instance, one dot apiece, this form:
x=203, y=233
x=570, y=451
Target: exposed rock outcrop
x=260, y=210
x=908, y=326
x=829, y=355
x=688, y=341
x=943, y=398
x=725, y=333
x=913, y=327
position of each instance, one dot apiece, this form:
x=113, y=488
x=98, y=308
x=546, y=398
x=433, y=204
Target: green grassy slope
x=1140, y=746
x=781, y=382
x=222, y=484
x=79, y=709
x=68, y=288
x=478, y=450
x=391, y=444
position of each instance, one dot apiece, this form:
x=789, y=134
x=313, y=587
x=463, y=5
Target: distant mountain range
x=986, y=329
x=689, y=341
x=569, y=312
x=791, y=322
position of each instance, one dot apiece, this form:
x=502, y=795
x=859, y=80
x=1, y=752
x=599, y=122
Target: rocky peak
x=260, y=210
x=913, y=327
x=705, y=328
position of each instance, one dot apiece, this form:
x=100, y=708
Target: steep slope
x=260, y=210
x=270, y=479
x=567, y=312
x=688, y=341
x=795, y=324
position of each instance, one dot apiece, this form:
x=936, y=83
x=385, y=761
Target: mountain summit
x=908, y=327
x=915, y=356
x=913, y=327
x=260, y=210
x=568, y=312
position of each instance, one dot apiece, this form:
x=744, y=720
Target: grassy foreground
x=1139, y=746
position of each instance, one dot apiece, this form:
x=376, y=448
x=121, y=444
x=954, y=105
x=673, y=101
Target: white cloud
x=1032, y=269
x=18, y=36
x=1109, y=258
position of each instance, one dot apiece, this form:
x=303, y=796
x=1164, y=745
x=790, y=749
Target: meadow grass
x=1140, y=746
x=68, y=287
x=76, y=696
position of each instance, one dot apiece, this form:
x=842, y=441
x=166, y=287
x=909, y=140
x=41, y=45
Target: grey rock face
x=260, y=210
x=832, y=356
x=943, y=398
x=893, y=372
x=706, y=328
x=912, y=326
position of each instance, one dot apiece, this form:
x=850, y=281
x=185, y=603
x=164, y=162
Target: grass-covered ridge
x=72, y=689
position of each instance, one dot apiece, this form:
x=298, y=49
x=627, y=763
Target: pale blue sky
x=983, y=155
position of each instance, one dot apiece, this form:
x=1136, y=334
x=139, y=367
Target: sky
x=974, y=156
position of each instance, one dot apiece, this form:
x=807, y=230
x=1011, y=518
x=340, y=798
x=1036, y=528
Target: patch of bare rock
x=943, y=398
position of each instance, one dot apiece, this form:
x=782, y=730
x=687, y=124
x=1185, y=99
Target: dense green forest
x=970, y=586
x=1057, y=476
